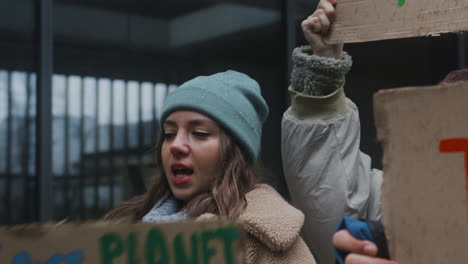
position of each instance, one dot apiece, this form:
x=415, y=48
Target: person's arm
x=327, y=175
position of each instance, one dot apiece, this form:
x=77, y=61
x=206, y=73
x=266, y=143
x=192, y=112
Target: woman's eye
x=200, y=134
x=169, y=134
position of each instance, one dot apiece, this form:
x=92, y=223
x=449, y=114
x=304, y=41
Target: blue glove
x=362, y=230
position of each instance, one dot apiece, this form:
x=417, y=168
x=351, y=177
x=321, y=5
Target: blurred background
x=82, y=83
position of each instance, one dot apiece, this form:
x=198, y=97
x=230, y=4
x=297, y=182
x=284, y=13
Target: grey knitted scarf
x=167, y=209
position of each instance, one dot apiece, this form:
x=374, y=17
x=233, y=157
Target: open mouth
x=181, y=174
x=181, y=171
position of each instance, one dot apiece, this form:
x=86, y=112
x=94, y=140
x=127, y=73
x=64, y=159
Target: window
x=101, y=127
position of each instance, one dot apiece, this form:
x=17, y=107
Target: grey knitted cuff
x=315, y=75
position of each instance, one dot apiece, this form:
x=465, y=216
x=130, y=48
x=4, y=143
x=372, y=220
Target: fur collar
x=269, y=218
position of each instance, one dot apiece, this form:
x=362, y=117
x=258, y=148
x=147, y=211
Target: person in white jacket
x=327, y=175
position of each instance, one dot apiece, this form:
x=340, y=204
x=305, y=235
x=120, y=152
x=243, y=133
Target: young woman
x=210, y=142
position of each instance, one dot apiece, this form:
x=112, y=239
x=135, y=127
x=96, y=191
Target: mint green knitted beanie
x=232, y=99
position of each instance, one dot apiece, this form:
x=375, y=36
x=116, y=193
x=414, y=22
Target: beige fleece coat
x=272, y=226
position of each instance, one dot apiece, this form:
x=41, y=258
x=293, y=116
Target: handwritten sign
x=108, y=243
x=424, y=132
x=369, y=20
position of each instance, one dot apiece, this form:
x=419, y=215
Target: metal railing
x=101, y=129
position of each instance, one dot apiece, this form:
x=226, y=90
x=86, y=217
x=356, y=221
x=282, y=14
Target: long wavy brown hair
x=237, y=176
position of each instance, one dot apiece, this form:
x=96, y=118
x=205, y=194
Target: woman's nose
x=180, y=145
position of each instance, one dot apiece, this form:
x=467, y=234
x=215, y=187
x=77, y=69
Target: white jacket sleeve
x=327, y=175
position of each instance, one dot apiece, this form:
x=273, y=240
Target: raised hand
x=317, y=26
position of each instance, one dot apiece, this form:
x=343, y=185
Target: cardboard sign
x=424, y=132
x=108, y=243
x=368, y=20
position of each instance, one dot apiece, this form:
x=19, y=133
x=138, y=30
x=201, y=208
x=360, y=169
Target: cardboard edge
x=381, y=121
x=38, y=228
x=343, y=39
x=382, y=108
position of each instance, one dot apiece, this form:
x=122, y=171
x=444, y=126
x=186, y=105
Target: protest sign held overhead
x=109, y=243
x=369, y=20
x=424, y=133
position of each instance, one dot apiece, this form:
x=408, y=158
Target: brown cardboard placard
x=424, y=133
x=369, y=20
x=106, y=243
